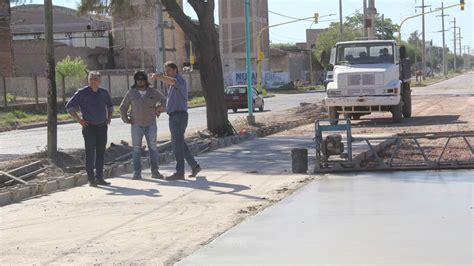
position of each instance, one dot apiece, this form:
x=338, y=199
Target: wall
x=6, y=55
x=30, y=56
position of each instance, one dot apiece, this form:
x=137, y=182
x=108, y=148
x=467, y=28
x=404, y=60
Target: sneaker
x=195, y=171
x=92, y=184
x=137, y=176
x=101, y=181
x=175, y=176
x=156, y=175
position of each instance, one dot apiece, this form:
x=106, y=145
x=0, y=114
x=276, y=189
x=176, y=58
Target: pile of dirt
x=270, y=124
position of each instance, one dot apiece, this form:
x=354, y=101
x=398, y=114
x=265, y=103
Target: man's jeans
x=178, y=122
x=137, y=136
x=95, y=139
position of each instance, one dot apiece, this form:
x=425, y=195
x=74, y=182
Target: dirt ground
x=430, y=114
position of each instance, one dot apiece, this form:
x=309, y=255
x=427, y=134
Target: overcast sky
x=396, y=10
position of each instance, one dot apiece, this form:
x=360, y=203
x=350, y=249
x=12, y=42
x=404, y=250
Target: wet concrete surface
x=398, y=218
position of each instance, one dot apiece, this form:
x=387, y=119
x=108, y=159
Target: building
x=287, y=65
x=232, y=38
x=86, y=37
x=312, y=36
x=135, y=38
x=6, y=51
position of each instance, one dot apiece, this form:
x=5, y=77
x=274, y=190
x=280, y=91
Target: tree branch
x=176, y=12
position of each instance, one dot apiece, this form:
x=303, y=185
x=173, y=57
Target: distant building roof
x=30, y=19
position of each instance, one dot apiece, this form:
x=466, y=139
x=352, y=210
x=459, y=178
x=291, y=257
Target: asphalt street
x=16, y=143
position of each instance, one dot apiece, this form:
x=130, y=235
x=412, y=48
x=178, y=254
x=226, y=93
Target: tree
x=205, y=38
x=352, y=30
x=383, y=30
x=73, y=69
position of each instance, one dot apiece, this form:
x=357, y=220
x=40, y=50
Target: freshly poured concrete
x=401, y=218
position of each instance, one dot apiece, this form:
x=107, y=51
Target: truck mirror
x=403, y=52
x=330, y=67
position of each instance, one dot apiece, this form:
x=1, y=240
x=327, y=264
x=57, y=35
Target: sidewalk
x=151, y=221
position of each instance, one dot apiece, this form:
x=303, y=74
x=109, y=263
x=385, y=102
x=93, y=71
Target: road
x=16, y=143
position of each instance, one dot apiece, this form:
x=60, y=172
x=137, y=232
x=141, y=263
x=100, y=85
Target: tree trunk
x=206, y=40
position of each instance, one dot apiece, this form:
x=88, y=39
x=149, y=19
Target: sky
x=396, y=10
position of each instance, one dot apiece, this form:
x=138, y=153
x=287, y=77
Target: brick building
x=6, y=52
x=232, y=38
x=136, y=29
x=75, y=36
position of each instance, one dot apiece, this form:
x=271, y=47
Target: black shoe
x=175, y=176
x=156, y=175
x=137, y=176
x=101, y=181
x=195, y=171
x=92, y=184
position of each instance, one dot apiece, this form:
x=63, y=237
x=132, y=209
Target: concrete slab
x=402, y=218
x=149, y=222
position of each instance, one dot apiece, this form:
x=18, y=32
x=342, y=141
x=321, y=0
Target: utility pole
x=159, y=49
x=52, y=99
x=383, y=29
x=126, y=55
x=460, y=46
x=142, y=53
x=445, y=65
x=250, y=117
x=371, y=12
x=454, y=38
x=423, y=54
x=341, y=37
x=364, y=22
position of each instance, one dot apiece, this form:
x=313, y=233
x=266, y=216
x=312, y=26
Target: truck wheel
x=356, y=116
x=347, y=116
x=396, y=111
x=332, y=114
x=406, y=96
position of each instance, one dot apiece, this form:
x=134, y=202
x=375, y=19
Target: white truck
x=369, y=76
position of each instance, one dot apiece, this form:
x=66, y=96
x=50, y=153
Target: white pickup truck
x=369, y=76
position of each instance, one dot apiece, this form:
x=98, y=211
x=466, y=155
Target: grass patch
x=196, y=101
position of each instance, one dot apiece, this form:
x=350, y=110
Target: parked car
x=235, y=98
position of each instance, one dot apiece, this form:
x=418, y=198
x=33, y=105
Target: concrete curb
x=69, y=181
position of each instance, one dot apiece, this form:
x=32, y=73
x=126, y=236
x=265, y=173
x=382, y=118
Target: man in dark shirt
x=177, y=109
x=96, y=109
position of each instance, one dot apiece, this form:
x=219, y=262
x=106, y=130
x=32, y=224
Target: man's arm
x=164, y=79
x=72, y=107
x=124, y=106
x=110, y=108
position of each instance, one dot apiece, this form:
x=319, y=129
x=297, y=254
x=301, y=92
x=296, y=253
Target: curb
x=73, y=180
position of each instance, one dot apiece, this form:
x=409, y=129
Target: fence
x=31, y=93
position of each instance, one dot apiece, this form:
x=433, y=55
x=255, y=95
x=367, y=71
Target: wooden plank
x=24, y=177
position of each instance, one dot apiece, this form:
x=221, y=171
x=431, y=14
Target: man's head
x=94, y=79
x=171, y=69
x=141, y=79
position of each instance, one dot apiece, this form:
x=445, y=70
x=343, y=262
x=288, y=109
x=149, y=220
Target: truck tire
x=332, y=114
x=406, y=96
x=397, y=111
x=355, y=116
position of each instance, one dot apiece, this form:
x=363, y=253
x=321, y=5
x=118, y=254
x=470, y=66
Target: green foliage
x=71, y=67
x=326, y=40
x=11, y=98
x=352, y=30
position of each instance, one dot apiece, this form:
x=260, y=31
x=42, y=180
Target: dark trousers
x=95, y=139
x=178, y=122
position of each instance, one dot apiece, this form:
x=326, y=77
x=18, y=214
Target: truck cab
x=369, y=76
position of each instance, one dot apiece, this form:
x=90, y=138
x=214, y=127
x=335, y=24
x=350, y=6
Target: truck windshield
x=364, y=53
